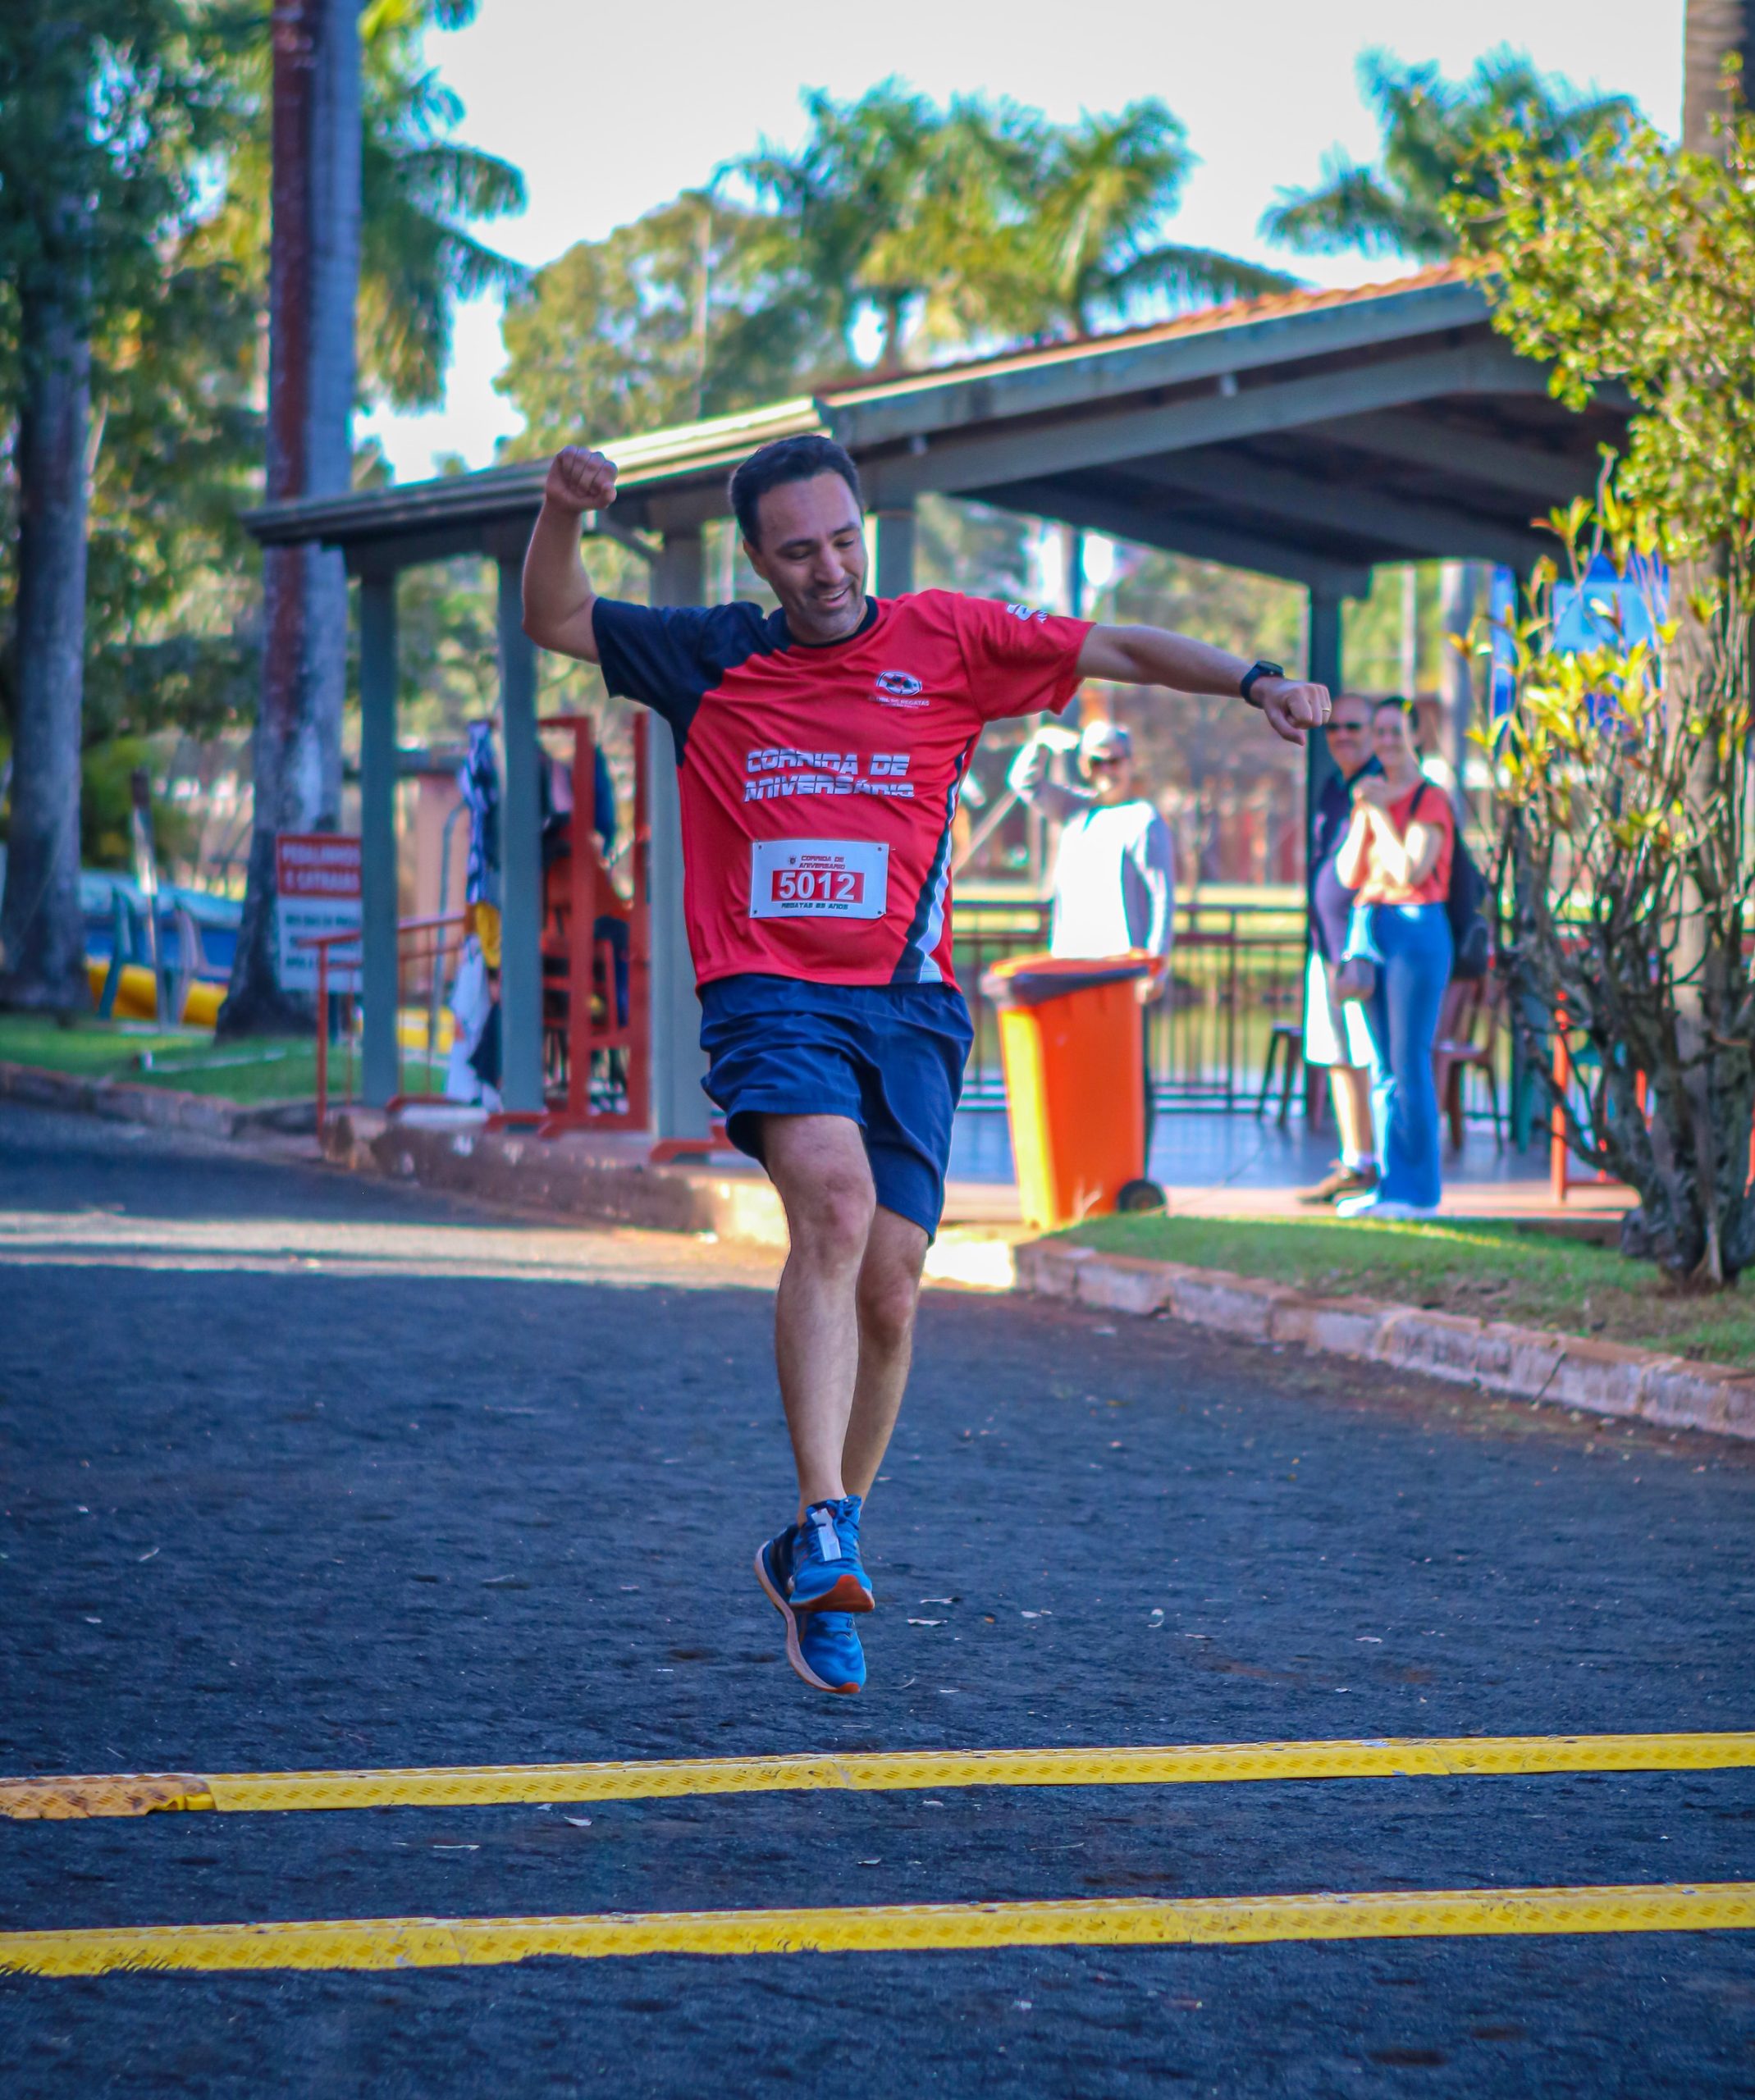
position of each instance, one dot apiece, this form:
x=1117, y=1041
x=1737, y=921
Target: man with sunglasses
x=1114, y=885
x=1334, y=1029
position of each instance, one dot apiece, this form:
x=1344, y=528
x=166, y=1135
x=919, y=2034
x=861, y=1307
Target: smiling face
x=1392, y=740
x=813, y=556
x=1350, y=732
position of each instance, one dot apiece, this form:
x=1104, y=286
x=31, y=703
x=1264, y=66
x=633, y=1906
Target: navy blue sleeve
x=668, y=656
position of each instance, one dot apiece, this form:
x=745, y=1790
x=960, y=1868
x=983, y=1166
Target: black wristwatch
x=1259, y=669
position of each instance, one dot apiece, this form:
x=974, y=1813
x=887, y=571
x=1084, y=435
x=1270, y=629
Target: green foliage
x=419, y=190
x=106, y=773
x=973, y=223
x=419, y=187
x=1432, y=130
x=1094, y=205
x=94, y=208
x=1634, y=266
x=696, y=309
x=1492, y=1270
x=983, y=220
x=170, y=625
x=102, y=110
x=1625, y=775
x=175, y=256
x=1626, y=770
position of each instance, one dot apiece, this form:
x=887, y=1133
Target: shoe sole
x=850, y=1594
x=794, y=1653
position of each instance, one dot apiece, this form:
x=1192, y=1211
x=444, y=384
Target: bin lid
x=1026, y=980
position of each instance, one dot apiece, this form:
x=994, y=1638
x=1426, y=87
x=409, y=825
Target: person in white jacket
x=1114, y=884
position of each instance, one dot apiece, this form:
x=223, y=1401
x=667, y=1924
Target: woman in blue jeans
x=1397, y=855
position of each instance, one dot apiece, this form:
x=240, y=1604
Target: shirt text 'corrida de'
x=818, y=784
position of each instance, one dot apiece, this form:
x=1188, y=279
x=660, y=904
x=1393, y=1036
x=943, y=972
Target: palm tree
x=369, y=194
x=852, y=190
x=420, y=187
x=1431, y=128
x=982, y=220
x=1107, y=185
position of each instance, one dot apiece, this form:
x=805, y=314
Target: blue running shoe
x=829, y=1655
x=821, y=1645
x=827, y=1575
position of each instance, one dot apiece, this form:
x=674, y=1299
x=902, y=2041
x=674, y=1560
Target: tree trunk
x=42, y=933
x=1713, y=31
x=313, y=289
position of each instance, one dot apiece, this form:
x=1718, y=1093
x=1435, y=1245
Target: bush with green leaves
x=1627, y=783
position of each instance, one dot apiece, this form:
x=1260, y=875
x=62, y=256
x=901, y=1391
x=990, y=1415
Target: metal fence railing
x=1236, y=969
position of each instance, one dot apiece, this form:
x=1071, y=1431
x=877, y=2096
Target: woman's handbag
x=1355, y=977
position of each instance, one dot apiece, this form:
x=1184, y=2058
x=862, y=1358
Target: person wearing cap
x=1114, y=885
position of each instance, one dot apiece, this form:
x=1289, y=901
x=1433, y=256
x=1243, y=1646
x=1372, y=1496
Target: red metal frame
x=322, y=943
x=585, y=956
x=667, y=1150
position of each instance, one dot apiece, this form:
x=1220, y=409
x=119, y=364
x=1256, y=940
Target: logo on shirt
x=1027, y=613
x=900, y=689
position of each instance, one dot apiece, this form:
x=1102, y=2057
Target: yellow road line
x=870, y=1928
x=484, y=1785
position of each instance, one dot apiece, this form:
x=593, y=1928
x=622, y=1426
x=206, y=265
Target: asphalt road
x=300, y=1472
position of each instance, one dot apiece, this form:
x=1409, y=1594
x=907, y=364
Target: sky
x=610, y=111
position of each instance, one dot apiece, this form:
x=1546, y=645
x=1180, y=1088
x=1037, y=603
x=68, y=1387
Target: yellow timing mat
x=875, y=1928
x=486, y=1785
x=464, y=1786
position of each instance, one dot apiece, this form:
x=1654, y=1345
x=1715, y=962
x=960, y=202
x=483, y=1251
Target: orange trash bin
x=1075, y=1083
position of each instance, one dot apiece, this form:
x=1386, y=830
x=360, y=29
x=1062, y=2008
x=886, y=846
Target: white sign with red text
x=317, y=887
x=819, y=878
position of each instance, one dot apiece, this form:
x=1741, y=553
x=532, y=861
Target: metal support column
x=1323, y=663
x=378, y=838
x=520, y=854
x=895, y=552
x=679, y=1107
x=1460, y=587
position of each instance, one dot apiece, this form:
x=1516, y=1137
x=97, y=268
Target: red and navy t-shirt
x=818, y=784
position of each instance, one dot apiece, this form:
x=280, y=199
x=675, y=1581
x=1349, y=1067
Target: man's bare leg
x=818, y=1163
x=889, y=1291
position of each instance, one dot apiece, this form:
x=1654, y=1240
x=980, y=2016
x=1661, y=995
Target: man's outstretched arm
x=1153, y=657
x=558, y=593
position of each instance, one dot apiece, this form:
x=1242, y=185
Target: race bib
x=819, y=878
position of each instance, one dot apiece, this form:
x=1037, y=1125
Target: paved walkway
x=1212, y=1165
x=306, y=1471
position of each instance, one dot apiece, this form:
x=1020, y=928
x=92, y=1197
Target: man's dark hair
x=786, y=459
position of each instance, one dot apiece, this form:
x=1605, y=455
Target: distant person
x=1396, y=854
x=1334, y=1028
x=1114, y=885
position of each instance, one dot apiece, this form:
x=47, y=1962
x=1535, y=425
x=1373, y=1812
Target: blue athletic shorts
x=890, y=1057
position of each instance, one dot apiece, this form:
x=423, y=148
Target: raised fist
x=579, y=479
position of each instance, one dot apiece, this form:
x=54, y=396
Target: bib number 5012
x=819, y=878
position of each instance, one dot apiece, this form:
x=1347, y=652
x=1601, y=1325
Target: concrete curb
x=165, y=1108
x=571, y=1176
x=1528, y=1362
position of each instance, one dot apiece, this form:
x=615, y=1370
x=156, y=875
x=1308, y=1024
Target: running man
x=821, y=748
